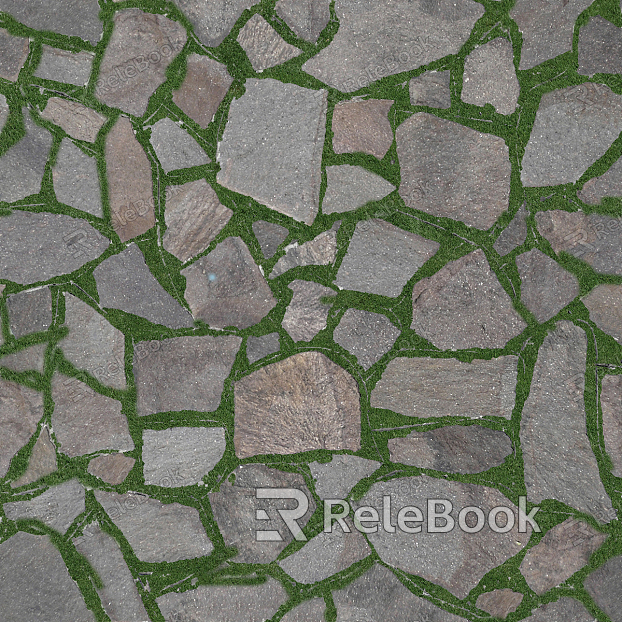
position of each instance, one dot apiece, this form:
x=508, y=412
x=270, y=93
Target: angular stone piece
x=609, y=184
x=499, y=603
x=125, y=282
x=307, y=18
x=369, y=336
x=29, y=358
x=570, y=133
x=603, y=585
x=604, y=303
x=64, y=66
x=451, y=171
x=138, y=38
x=566, y=609
x=600, y=47
x=184, y=373
x=13, y=53
x=194, y=217
x=259, y=347
x=269, y=236
x=4, y=111
x=306, y=315
x=30, y=311
x=463, y=305
x=428, y=387
x=553, y=429
x=514, y=234
x=57, y=507
x=320, y=251
x=301, y=403
x=335, y=479
x=308, y=611
x=42, y=460
x=35, y=584
x=389, y=39
x=349, y=187
x=111, y=468
x=226, y=287
x=78, y=121
x=157, y=532
x=203, y=89
x=431, y=89
x=174, y=147
x=272, y=146
x=611, y=404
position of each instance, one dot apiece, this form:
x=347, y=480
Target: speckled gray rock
x=184, y=373
x=372, y=36
x=604, y=303
x=272, y=145
x=452, y=171
x=499, y=603
x=553, y=429
x=226, y=287
x=335, y=479
x=42, y=460
x=307, y=18
x=111, y=468
x=77, y=120
x=301, y=403
x=4, y=111
x=603, y=585
x=369, y=336
x=570, y=133
x=13, y=53
x=320, y=251
x=157, y=532
x=194, y=217
x=125, y=282
x=566, y=609
x=307, y=314
x=30, y=358
x=428, y=387
x=30, y=311
x=600, y=47
x=431, y=88
x=259, y=347
x=611, y=404
x=64, y=66
x=609, y=184
x=463, y=305
x=308, y=611
x=514, y=234
x=174, y=147
x=269, y=236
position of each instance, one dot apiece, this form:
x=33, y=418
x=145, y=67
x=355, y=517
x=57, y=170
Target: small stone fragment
x=4, y=111
x=604, y=303
x=514, y=234
x=320, y=251
x=307, y=18
x=306, y=315
x=42, y=460
x=566, y=609
x=499, y=603
x=78, y=121
x=600, y=47
x=269, y=236
x=335, y=479
x=611, y=404
x=30, y=311
x=609, y=184
x=111, y=468
x=308, y=611
x=301, y=403
x=431, y=89
x=64, y=66
x=603, y=585
x=13, y=54
x=259, y=347
x=174, y=147
x=30, y=358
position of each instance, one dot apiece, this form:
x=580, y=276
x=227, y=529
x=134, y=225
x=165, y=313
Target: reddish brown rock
x=78, y=121
x=499, y=603
x=604, y=303
x=111, y=468
x=611, y=404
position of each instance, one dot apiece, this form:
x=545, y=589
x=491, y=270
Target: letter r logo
x=289, y=516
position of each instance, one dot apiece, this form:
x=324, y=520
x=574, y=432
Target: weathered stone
x=369, y=336
x=30, y=311
x=514, y=234
x=157, y=532
x=184, y=373
x=78, y=121
x=134, y=65
x=269, y=236
x=125, y=282
x=307, y=18
x=570, y=134
x=308, y=611
x=490, y=77
x=42, y=460
x=226, y=287
x=603, y=585
x=566, y=609
x=30, y=358
x=35, y=584
x=301, y=403
x=611, y=404
x=236, y=511
x=604, y=303
x=452, y=171
x=174, y=147
x=13, y=54
x=111, y=468
x=335, y=479
x=553, y=428
x=64, y=66
x=4, y=111
x=194, y=217
x=57, y=507
x=389, y=39
x=499, y=603
x=272, y=146
x=431, y=89
x=600, y=47
x=259, y=347
x=463, y=305
x=609, y=184
x=204, y=87
x=428, y=387
x=307, y=314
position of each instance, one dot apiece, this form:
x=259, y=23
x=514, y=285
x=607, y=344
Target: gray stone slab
x=77, y=120
x=272, y=146
x=308, y=611
x=600, y=47
x=301, y=403
x=320, y=251
x=13, y=52
x=514, y=234
x=174, y=147
x=30, y=311
x=42, y=460
x=269, y=236
x=335, y=479
x=431, y=88
x=566, y=609
x=111, y=468
x=611, y=404
x=30, y=358
x=499, y=603
x=604, y=303
x=307, y=313
x=259, y=347
x=307, y=18
x=452, y=171
x=63, y=66
x=428, y=387
x=603, y=585
x=609, y=184
x=4, y=111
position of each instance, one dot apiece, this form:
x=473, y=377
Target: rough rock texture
x=611, y=403
x=307, y=314
x=272, y=145
x=600, y=47
x=13, y=54
x=604, y=303
x=4, y=111
x=514, y=234
x=298, y=404
x=451, y=171
x=30, y=358
x=308, y=611
x=30, y=311
x=259, y=347
x=335, y=479
x=609, y=184
x=111, y=468
x=174, y=147
x=603, y=585
x=566, y=609
x=464, y=306
x=428, y=387
x=42, y=460
x=499, y=603
x=320, y=251
x=269, y=236
x=307, y=18
x=64, y=66
x=77, y=120
x=431, y=88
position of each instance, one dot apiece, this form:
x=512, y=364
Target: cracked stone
x=42, y=460
x=111, y=468
x=600, y=47
x=63, y=66
x=431, y=89
x=259, y=347
x=566, y=609
x=611, y=403
x=452, y=171
x=78, y=121
x=174, y=147
x=608, y=184
x=335, y=479
x=307, y=314
x=13, y=54
x=30, y=311
x=514, y=234
x=308, y=611
x=604, y=303
x=272, y=146
x=306, y=18
x=499, y=603
x=603, y=585
x=29, y=358
x=269, y=236
x=301, y=403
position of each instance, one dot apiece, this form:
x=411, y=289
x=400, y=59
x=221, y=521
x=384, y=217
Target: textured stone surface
x=451, y=171
x=335, y=479
x=499, y=603
x=272, y=145
x=609, y=184
x=464, y=306
x=31, y=358
x=30, y=311
x=603, y=585
x=431, y=88
x=604, y=303
x=259, y=347
x=42, y=460
x=4, y=111
x=78, y=121
x=600, y=47
x=307, y=18
x=308, y=611
x=428, y=387
x=320, y=251
x=174, y=147
x=226, y=287
x=553, y=429
x=184, y=373
x=64, y=66
x=13, y=54
x=269, y=236
x=611, y=403
x=514, y=234
x=306, y=315
x=301, y=403
x=111, y=468
x=566, y=609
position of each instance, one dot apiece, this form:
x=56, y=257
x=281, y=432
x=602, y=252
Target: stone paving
x=310, y=310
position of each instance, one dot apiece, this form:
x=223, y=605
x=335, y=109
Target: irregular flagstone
x=42, y=460
x=307, y=18
x=259, y=347
x=553, y=428
x=453, y=449
x=64, y=66
x=307, y=314
x=308, y=611
x=226, y=287
x=431, y=88
x=514, y=234
x=570, y=134
x=272, y=145
x=452, y=171
x=335, y=479
x=428, y=387
x=194, y=216
x=269, y=236
x=463, y=305
x=499, y=603
x=611, y=404
x=600, y=47
x=35, y=584
x=369, y=336
x=157, y=532
x=375, y=40
x=349, y=187
x=134, y=64
x=77, y=120
x=30, y=358
x=30, y=311
x=204, y=87
x=236, y=511
x=174, y=147
x=603, y=585
x=125, y=282
x=609, y=184
x=382, y=258
x=184, y=373
x=604, y=303
x=566, y=609
x=13, y=54
x=565, y=549
x=111, y=468
x=301, y=403
x=264, y=47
